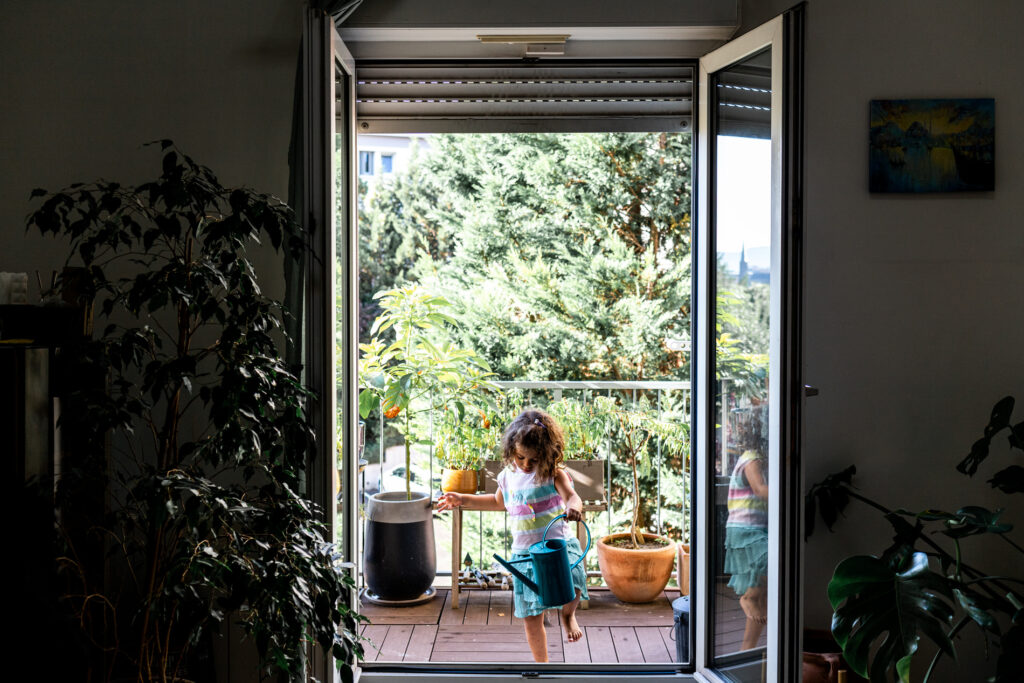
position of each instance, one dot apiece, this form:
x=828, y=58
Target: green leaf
x=1009, y=480
x=871, y=599
x=368, y=402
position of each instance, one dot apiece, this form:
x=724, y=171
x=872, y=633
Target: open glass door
x=747, y=323
x=346, y=301
x=325, y=192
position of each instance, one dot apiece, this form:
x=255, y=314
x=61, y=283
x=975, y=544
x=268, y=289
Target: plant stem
x=408, y=459
x=956, y=629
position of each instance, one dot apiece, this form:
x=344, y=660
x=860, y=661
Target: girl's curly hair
x=535, y=431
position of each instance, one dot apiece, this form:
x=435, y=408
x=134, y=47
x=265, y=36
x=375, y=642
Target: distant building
x=383, y=154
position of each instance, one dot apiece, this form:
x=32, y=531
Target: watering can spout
x=516, y=573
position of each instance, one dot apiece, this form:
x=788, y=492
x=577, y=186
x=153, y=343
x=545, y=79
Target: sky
x=744, y=196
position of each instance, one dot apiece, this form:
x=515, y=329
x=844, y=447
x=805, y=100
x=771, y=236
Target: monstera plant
x=208, y=435
x=922, y=584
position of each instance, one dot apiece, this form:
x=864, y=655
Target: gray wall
x=912, y=303
x=84, y=84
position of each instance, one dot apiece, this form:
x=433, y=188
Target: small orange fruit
x=392, y=412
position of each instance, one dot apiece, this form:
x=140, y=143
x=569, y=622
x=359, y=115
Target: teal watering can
x=551, y=568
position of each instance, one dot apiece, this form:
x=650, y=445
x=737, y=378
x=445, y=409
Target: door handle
x=810, y=391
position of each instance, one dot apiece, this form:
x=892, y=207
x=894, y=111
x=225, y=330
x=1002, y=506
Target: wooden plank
x=489, y=644
x=421, y=644
x=653, y=645
x=599, y=640
x=426, y=613
x=450, y=615
x=477, y=605
x=607, y=610
x=499, y=610
x=375, y=637
x=627, y=648
x=667, y=638
x=578, y=651
x=523, y=655
x=395, y=643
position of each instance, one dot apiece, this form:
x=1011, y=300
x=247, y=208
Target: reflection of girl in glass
x=746, y=531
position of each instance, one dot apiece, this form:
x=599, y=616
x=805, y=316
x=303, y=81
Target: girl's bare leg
x=755, y=606
x=573, y=632
x=537, y=637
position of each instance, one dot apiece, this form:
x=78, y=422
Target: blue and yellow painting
x=932, y=145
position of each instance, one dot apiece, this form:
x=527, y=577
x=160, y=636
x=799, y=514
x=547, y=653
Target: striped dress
x=531, y=504
x=746, y=531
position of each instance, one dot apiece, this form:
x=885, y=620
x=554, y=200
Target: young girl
x=746, y=531
x=534, y=489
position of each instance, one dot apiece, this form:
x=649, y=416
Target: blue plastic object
x=681, y=630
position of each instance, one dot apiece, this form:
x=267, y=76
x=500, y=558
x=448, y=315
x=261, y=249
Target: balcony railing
x=659, y=395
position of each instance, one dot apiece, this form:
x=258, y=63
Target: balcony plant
x=463, y=442
x=635, y=564
x=922, y=583
x=585, y=425
x=408, y=370
x=208, y=434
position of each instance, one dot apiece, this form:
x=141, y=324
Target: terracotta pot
x=458, y=481
x=635, y=575
x=683, y=569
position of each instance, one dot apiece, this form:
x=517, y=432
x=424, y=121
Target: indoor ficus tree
x=209, y=436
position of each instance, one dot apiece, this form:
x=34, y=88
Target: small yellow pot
x=459, y=481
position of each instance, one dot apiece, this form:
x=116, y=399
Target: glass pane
x=742, y=241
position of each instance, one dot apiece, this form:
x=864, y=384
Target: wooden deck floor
x=484, y=630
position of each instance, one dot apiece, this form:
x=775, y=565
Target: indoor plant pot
x=399, y=559
x=635, y=574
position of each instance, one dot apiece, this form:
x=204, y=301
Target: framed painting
x=932, y=145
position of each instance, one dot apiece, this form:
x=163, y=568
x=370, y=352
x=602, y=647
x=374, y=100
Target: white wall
x=84, y=84
x=912, y=303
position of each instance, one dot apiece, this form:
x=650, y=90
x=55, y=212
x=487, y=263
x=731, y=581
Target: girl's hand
x=573, y=514
x=449, y=501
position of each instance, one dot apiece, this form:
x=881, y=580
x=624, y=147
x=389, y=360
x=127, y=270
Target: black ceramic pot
x=399, y=561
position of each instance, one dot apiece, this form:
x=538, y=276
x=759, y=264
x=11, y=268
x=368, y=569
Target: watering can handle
x=585, y=550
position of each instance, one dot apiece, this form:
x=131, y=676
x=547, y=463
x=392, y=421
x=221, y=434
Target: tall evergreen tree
x=568, y=254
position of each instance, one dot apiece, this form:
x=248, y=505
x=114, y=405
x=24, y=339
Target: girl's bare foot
x=573, y=632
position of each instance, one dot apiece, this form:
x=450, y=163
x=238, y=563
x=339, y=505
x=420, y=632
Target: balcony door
x=748, y=357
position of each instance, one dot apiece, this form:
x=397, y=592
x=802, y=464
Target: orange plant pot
x=459, y=481
x=635, y=575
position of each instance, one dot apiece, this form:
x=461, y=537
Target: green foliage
x=463, y=443
x=883, y=605
x=872, y=598
x=566, y=256
x=585, y=426
x=210, y=428
x=420, y=370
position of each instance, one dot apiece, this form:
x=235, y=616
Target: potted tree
x=635, y=564
x=208, y=437
x=408, y=370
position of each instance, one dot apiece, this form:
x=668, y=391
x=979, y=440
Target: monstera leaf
x=874, y=602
